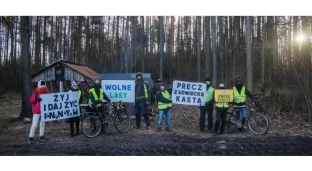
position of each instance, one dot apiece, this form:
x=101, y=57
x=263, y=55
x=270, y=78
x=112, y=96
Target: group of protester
x=160, y=96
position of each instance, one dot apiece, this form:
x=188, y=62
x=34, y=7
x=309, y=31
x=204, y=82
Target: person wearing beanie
x=142, y=99
x=240, y=93
x=208, y=108
x=164, y=106
x=35, y=101
x=221, y=108
x=76, y=120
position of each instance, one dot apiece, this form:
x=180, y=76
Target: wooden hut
x=60, y=73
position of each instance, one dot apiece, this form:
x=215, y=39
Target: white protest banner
x=118, y=90
x=57, y=106
x=188, y=93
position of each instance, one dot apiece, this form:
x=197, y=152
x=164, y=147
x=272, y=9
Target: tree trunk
x=87, y=52
x=248, y=52
x=214, y=50
x=59, y=47
x=289, y=50
x=118, y=57
x=44, y=41
x=270, y=51
x=198, y=48
x=37, y=46
x=263, y=48
x=68, y=38
x=221, y=47
x=295, y=43
x=226, y=55
x=25, y=67
x=51, y=43
x=142, y=45
x=79, y=47
x=161, y=39
x=208, y=47
x=259, y=29
x=127, y=45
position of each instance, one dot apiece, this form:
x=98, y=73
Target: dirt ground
x=285, y=138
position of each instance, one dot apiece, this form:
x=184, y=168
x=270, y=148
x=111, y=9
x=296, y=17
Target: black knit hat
x=239, y=80
x=41, y=83
x=207, y=79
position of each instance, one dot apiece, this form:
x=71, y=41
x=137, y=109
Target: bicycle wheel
x=258, y=123
x=230, y=124
x=122, y=122
x=91, y=126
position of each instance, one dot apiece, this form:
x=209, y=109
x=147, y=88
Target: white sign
x=118, y=90
x=188, y=93
x=59, y=106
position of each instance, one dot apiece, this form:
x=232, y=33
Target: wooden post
x=61, y=86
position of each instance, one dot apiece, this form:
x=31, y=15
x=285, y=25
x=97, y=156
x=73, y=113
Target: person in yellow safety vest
x=208, y=108
x=76, y=120
x=96, y=97
x=240, y=93
x=142, y=99
x=164, y=106
x=221, y=108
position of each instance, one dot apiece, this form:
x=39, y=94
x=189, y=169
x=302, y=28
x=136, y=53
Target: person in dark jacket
x=164, y=106
x=208, y=108
x=240, y=93
x=76, y=120
x=96, y=97
x=142, y=94
x=221, y=108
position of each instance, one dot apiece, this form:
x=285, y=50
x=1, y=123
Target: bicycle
x=96, y=122
x=258, y=123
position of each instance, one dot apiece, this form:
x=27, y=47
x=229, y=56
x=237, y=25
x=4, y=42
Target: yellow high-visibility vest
x=79, y=93
x=164, y=105
x=95, y=97
x=239, y=98
x=209, y=94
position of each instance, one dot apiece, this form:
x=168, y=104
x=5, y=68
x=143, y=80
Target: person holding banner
x=35, y=101
x=240, y=92
x=76, y=120
x=142, y=93
x=164, y=106
x=208, y=108
x=221, y=108
x=96, y=97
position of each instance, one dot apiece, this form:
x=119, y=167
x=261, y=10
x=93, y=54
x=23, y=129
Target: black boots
x=41, y=139
x=72, y=133
x=168, y=129
x=77, y=128
x=30, y=139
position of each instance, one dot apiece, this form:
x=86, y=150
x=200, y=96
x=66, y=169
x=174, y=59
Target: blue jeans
x=244, y=115
x=243, y=111
x=161, y=113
